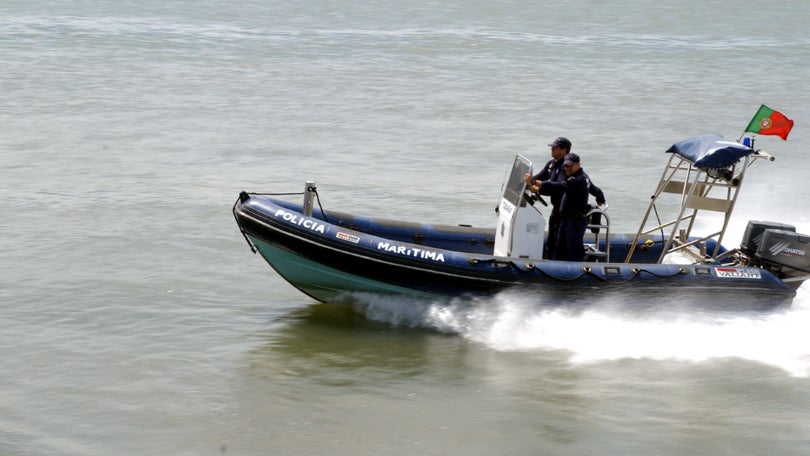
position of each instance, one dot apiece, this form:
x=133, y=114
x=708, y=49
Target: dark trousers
x=550, y=249
x=569, y=239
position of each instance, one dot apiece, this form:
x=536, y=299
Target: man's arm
x=550, y=188
x=545, y=172
x=596, y=192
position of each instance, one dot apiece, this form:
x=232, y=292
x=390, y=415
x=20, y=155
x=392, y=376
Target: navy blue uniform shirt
x=554, y=171
x=573, y=193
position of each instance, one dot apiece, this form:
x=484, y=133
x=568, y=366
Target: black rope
x=679, y=271
x=569, y=279
x=531, y=266
x=636, y=272
x=242, y=198
x=312, y=189
x=320, y=206
x=275, y=194
x=250, y=244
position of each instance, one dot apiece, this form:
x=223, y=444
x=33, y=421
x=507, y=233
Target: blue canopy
x=710, y=151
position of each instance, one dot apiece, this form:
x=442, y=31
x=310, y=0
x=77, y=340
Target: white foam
x=513, y=323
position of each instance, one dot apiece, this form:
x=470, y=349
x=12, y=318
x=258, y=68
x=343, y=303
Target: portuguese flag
x=769, y=122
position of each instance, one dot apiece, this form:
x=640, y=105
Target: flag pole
x=753, y=135
x=740, y=140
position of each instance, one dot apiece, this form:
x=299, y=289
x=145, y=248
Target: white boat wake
x=605, y=333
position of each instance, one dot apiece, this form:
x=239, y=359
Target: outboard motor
x=753, y=234
x=784, y=249
x=777, y=247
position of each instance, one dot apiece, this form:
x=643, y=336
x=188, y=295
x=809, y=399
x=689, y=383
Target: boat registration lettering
x=411, y=252
x=738, y=273
x=348, y=237
x=301, y=221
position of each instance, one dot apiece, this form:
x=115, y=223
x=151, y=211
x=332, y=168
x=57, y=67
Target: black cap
x=570, y=159
x=561, y=142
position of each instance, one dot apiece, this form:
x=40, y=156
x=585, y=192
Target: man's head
x=560, y=147
x=571, y=164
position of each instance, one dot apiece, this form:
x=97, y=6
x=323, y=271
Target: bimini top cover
x=710, y=151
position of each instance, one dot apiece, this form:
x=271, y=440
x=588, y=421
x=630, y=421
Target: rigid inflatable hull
x=334, y=263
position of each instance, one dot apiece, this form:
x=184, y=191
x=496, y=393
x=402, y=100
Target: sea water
x=135, y=319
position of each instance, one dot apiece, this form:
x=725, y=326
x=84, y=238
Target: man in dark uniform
x=553, y=171
x=573, y=193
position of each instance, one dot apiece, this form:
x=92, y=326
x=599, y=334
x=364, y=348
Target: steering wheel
x=531, y=198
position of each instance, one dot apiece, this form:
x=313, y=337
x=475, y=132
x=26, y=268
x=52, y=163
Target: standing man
x=573, y=193
x=552, y=171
